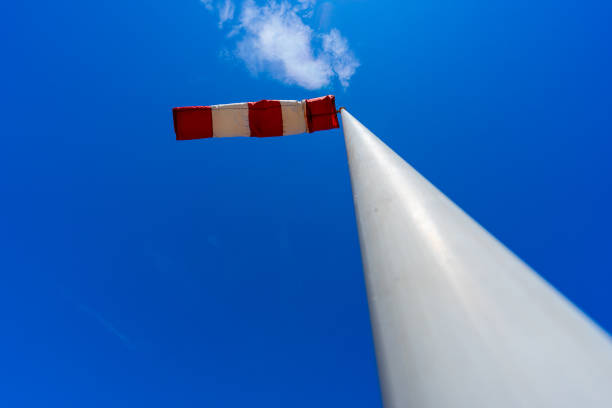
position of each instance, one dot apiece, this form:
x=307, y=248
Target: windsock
x=255, y=119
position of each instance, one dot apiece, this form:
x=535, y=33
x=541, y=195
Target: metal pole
x=458, y=320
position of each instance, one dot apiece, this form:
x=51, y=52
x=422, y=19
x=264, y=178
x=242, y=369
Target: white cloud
x=274, y=38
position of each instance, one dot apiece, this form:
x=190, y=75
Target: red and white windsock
x=255, y=119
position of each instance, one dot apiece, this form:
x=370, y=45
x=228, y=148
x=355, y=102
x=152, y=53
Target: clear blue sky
x=139, y=271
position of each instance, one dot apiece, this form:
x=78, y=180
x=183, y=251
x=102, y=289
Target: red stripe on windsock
x=192, y=122
x=321, y=113
x=265, y=118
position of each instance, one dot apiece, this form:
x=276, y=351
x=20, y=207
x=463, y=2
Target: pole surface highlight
x=458, y=320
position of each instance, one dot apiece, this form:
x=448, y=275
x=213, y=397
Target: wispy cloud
x=341, y=58
x=226, y=12
x=208, y=4
x=276, y=38
x=225, y=8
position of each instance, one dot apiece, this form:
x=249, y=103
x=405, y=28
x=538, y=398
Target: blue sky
x=138, y=271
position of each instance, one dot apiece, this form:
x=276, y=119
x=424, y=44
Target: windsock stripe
x=265, y=118
x=193, y=122
x=231, y=120
x=321, y=113
x=294, y=118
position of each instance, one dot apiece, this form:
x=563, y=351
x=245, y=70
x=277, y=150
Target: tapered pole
x=458, y=320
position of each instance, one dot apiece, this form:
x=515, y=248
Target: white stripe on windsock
x=230, y=120
x=294, y=117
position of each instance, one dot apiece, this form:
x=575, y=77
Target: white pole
x=458, y=320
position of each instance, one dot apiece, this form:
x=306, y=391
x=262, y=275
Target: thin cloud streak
x=108, y=326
